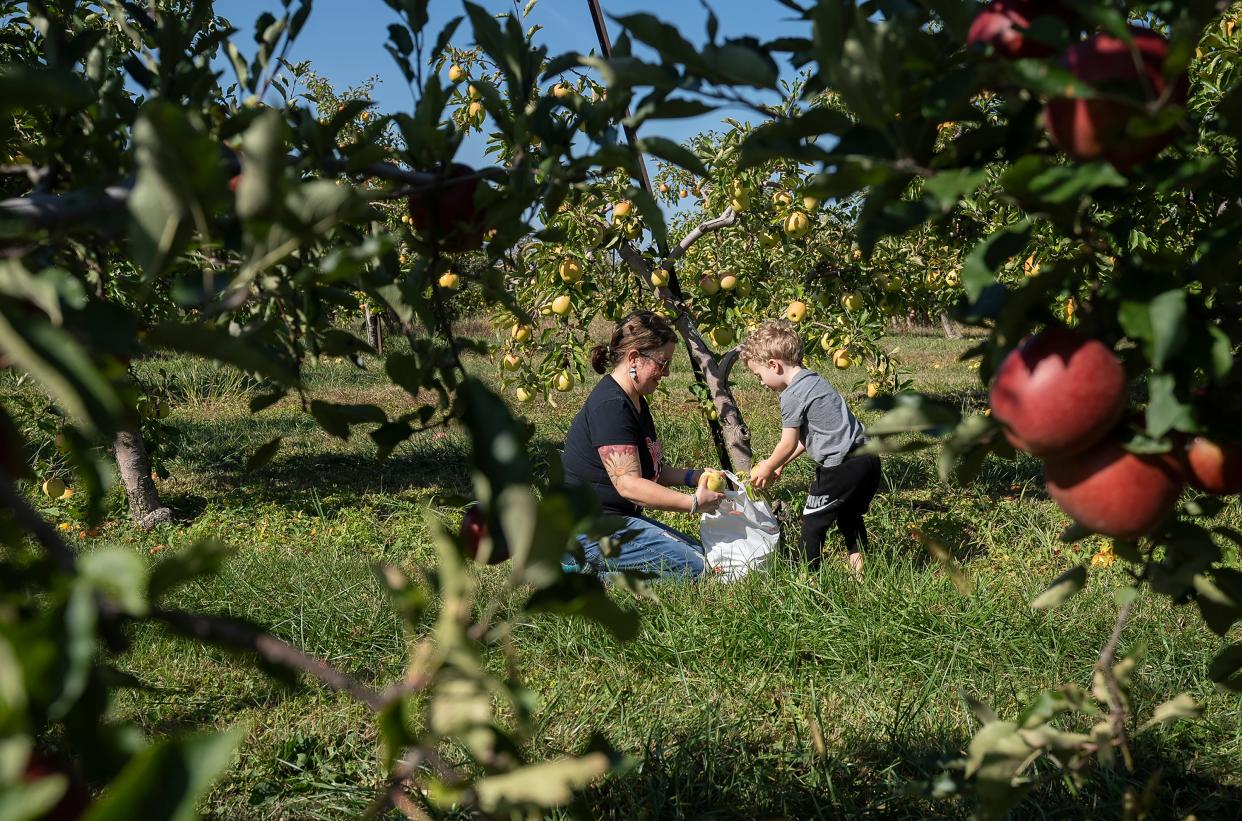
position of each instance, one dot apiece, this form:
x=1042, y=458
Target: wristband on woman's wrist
x=686, y=480
x=694, y=503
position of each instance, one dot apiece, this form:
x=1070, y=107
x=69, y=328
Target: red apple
x=234, y=182
x=474, y=534
x=1059, y=393
x=1089, y=129
x=1214, y=467
x=1115, y=492
x=1002, y=24
x=447, y=212
x=75, y=801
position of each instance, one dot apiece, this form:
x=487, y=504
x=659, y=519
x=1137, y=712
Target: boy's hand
x=762, y=475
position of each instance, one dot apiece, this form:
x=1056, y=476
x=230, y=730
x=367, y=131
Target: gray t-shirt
x=825, y=425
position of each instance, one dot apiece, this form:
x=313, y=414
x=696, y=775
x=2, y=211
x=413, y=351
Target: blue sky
x=344, y=40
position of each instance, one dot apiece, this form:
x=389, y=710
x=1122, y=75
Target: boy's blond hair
x=773, y=339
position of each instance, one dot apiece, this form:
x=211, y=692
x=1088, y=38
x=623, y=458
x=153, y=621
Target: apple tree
x=151, y=206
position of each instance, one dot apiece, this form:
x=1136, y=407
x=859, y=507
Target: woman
x=612, y=447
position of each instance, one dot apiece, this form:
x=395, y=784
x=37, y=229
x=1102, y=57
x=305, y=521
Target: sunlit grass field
x=782, y=695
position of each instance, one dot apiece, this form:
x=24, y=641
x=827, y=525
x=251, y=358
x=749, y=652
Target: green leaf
x=949, y=187
x=1168, y=326
x=34, y=87
x=1165, y=411
x=1224, y=669
x=263, y=455
x=57, y=361
x=12, y=688
x=994, y=759
x=1181, y=707
x=120, y=574
x=1219, y=599
x=578, y=594
x=938, y=551
x=214, y=342
x=167, y=779
x=912, y=413
x=666, y=149
x=78, y=645
x=337, y=419
x=986, y=258
x=32, y=801
x=1222, y=352
x=262, y=184
x=546, y=784
x=1039, y=180
x=203, y=558
x=1064, y=586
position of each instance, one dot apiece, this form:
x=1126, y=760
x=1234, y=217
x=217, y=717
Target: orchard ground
x=780, y=695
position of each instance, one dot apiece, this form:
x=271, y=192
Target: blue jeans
x=652, y=548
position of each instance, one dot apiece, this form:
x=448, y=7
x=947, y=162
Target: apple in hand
x=1099, y=128
x=1059, y=393
x=1114, y=492
x=447, y=213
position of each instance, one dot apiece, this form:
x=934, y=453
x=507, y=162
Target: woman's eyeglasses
x=662, y=364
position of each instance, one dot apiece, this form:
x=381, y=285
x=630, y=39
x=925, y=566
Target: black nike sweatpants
x=840, y=494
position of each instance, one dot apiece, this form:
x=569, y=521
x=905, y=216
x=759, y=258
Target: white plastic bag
x=741, y=535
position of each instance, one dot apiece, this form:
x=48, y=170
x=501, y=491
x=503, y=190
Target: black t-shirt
x=609, y=418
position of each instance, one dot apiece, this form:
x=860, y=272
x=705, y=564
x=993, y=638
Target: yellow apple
x=456, y=73
x=797, y=225
x=891, y=284
x=728, y=282
x=873, y=390
x=449, y=280
x=511, y=362
x=570, y=271
x=564, y=381
x=810, y=203
x=782, y=199
x=683, y=193
x=634, y=230
x=709, y=285
x=827, y=341
x=663, y=188
x=475, y=113
x=952, y=279
x=853, y=301
x=525, y=394
x=934, y=280
x=561, y=305
x=622, y=209
x=474, y=93
x=841, y=358
x=715, y=482
x=659, y=278
x=561, y=90
x=721, y=336
x=54, y=488
x=769, y=240
x=1031, y=266
x=796, y=311
x=520, y=333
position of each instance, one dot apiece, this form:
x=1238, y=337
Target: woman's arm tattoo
x=620, y=461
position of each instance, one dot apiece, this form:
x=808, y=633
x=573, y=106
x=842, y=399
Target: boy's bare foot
x=856, y=566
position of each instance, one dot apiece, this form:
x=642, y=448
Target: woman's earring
x=633, y=374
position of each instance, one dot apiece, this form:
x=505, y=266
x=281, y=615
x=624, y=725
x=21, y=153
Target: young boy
x=814, y=419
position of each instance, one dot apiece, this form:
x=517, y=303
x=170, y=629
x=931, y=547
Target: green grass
x=719, y=701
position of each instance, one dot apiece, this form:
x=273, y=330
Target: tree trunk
x=145, y=508
x=950, y=330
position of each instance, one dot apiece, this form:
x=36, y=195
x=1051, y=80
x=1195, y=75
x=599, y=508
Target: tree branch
x=240, y=635
x=1104, y=666
x=723, y=221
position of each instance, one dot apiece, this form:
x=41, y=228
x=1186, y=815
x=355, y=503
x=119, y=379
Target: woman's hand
x=709, y=499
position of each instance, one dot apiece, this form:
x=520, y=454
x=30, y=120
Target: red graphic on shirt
x=657, y=456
